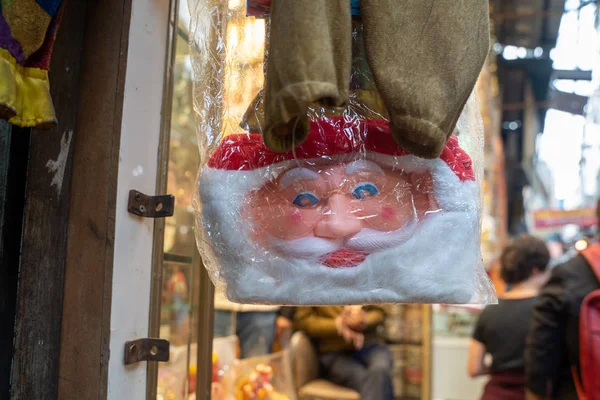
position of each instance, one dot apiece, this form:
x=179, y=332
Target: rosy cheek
x=391, y=217
x=296, y=217
x=384, y=215
x=288, y=222
x=387, y=213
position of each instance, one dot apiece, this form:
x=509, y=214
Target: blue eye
x=364, y=190
x=306, y=199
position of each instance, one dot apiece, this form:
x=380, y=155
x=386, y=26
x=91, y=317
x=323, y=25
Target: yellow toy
x=257, y=385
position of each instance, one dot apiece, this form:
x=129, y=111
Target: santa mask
x=348, y=217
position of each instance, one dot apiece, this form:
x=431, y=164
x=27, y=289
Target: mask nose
x=339, y=221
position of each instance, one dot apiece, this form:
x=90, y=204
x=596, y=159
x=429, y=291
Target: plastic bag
x=347, y=217
x=268, y=377
x=223, y=363
x=174, y=376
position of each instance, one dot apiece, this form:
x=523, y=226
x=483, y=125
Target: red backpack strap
x=592, y=255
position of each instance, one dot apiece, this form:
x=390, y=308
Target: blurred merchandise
x=397, y=372
x=216, y=368
x=454, y=321
x=257, y=385
x=393, y=326
x=413, y=370
x=175, y=384
x=407, y=330
x=176, y=299
x=413, y=319
x=264, y=378
x=549, y=219
x=493, y=226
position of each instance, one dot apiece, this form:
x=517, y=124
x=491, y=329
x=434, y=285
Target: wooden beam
x=44, y=246
x=14, y=150
x=567, y=102
x=572, y=74
x=86, y=314
x=521, y=106
x=206, y=315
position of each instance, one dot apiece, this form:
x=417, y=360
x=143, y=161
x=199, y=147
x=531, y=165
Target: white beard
x=439, y=263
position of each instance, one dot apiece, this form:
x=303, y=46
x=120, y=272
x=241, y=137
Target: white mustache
x=371, y=240
x=366, y=240
x=307, y=247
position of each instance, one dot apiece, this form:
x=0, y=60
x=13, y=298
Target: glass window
x=240, y=332
x=180, y=263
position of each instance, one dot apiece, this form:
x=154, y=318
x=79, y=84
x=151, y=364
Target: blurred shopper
x=285, y=318
x=502, y=329
x=283, y=326
x=349, y=349
x=553, y=342
x=254, y=325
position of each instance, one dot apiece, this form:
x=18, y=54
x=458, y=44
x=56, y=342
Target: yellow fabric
x=28, y=24
x=25, y=94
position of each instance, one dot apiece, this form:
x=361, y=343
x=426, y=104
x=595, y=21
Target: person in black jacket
x=553, y=341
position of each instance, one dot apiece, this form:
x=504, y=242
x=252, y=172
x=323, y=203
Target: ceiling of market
x=532, y=25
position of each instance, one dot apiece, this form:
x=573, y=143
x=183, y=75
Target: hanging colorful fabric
x=355, y=5
x=27, y=32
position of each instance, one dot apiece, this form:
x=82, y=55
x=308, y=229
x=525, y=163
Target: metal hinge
x=146, y=349
x=150, y=206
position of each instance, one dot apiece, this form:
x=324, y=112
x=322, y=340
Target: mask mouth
x=367, y=241
x=343, y=258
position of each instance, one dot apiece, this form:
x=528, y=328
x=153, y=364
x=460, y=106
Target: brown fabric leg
x=309, y=61
x=425, y=56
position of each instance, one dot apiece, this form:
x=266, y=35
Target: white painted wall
x=138, y=157
x=449, y=379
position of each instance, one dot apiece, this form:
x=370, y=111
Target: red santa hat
x=330, y=138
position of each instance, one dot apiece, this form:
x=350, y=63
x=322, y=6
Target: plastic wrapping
x=224, y=362
x=347, y=217
x=268, y=377
x=259, y=378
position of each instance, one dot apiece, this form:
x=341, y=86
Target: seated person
x=349, y=349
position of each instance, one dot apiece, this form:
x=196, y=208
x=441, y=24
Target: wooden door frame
x=62, y=327
x=14, y=151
